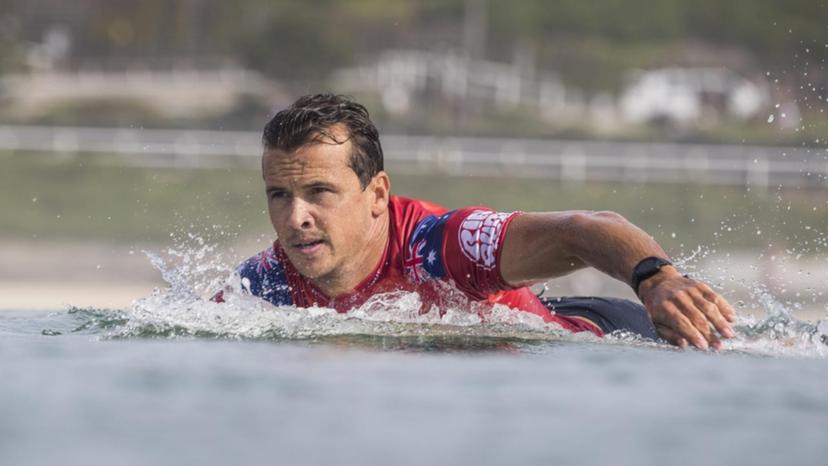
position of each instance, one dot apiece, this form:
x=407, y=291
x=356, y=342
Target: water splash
x=766, y=325
x=779, y=332
x=397, y=314
x=194, y=272
x=183, y=310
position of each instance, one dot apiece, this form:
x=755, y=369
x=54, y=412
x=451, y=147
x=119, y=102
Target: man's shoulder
x=403, y=206
x=262, y=263
x=264, y=275
x=409, y=214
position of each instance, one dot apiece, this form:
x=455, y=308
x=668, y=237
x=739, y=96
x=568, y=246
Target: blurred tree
x=332, y=31
x=10, y=55
x=591, y=44
x=299, y=41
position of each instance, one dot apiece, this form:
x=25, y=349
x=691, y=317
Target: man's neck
x=351, y=275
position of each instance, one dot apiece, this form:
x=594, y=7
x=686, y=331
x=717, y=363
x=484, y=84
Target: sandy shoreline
x=54, y=275
x=54, y=296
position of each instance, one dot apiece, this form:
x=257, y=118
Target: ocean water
x=177, y=379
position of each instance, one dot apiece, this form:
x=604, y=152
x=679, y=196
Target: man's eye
x=320, y=190
x=278, y=195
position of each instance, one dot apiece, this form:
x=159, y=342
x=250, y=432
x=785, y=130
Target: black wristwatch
x=646, y=269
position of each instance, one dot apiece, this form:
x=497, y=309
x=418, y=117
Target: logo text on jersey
x=479, y=235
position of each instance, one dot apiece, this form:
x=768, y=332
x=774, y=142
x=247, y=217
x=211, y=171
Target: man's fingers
x=713, y=313
x=684, y=308
x=679, y=323
x=671, y=336
x=724, y=307
x=696, y=316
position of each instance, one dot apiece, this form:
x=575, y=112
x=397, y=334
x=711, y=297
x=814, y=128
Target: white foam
x=183, y=310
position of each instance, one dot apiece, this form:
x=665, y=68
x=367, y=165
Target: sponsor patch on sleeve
x=479, y=235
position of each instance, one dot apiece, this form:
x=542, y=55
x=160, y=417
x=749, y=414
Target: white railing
x=572, y=161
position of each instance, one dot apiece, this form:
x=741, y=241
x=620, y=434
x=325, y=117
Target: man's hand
x=683, y=310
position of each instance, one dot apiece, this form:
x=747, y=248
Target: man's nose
x=299, y=216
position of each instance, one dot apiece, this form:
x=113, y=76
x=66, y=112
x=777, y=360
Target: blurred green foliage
x=10, y=56
x=307, y=38
x=592, y=46
x=96, y=198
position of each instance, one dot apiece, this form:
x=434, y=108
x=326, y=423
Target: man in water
x=342, y=238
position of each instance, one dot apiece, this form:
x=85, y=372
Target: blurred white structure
x=680, y=96
x=685, y=95
x=400, y=76
x=760, y=167
x=48, y=54
x=176, y=92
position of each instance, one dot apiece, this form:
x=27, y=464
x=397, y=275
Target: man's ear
x=380, y=188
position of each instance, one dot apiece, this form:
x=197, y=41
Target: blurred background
x=134, y=126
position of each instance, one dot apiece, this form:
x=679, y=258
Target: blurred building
x=683, y=96
x=402, y=77
x=178, y=92
x=675, y=96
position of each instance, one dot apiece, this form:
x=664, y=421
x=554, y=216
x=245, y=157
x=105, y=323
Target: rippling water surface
x=117, y=387
x=175, y=379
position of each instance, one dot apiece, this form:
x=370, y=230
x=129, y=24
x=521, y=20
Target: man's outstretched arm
x=539, y=246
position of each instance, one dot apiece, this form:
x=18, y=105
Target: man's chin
x=309, y=268
x=311, y=274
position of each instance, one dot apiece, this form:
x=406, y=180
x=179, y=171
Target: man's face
x=324, y=219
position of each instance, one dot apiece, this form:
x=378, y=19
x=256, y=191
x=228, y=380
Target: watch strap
x=646, y=269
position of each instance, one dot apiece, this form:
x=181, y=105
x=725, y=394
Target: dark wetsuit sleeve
x=611, y=314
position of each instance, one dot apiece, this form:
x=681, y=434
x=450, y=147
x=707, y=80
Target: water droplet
x=770, y=118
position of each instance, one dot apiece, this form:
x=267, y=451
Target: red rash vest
x=427, y=245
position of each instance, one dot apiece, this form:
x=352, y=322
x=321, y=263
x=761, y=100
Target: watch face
x=646, y=269
x=653, y=265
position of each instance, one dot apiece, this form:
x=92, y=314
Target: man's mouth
x=308, y=247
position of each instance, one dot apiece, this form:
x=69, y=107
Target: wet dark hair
x=309, y=121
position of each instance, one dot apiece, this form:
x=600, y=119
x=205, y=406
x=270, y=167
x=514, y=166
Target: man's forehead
x=317, y=161
x=309, y=155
